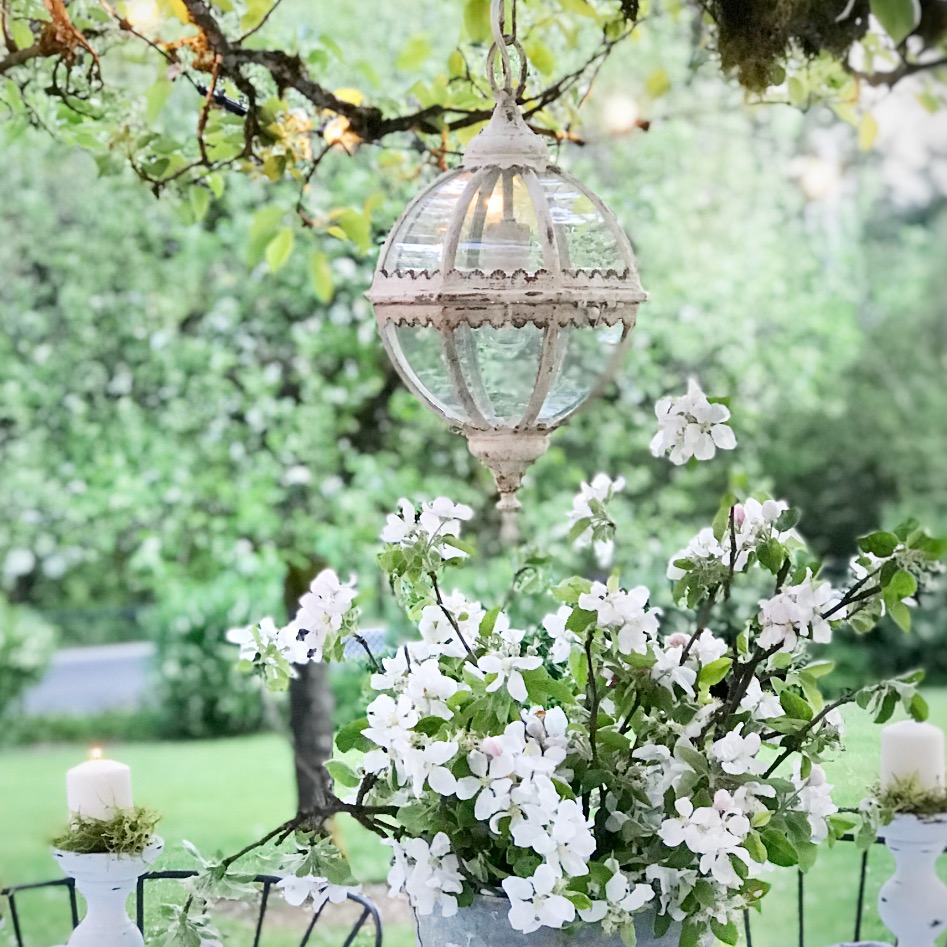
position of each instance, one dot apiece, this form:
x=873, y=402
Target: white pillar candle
x=910, y=749
x=95, y=789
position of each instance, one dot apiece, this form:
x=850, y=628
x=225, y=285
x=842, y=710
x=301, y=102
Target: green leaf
x=721, y=522
x=779, y=850
x=200, y=201
x=582, y=7
x=658, y=82
x=867, y=132
x=22, y=34
x=155, y=98
x=919, y=709
x=786, y=520
x=477, y=20
x=578, y=528
x=725, y=932
x=715, y=672
x=898, y=17
x=795, y=706
x=881, y=544
x=355, y=225
x=280, y=249
x=350, y=736
x=901, y=585
x=771, y=554
x=413, y=53
x=320, y=274
x=694, y=759
x=819, y=669
x=901, y=615
x=541, y=56
x=888, y=707
x=798, y=91
x=342, y=773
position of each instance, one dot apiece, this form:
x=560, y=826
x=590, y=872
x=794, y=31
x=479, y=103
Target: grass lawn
x=222, y=794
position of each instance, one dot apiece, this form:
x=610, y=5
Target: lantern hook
x=501, y=41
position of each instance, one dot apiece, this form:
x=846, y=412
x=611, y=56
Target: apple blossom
x=690, y=426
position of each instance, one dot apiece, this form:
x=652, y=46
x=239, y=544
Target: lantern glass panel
x=585, y=352
x=420, y=242
x=500, y=229
x=418, y=351
x=586, y=240
x=499, y=366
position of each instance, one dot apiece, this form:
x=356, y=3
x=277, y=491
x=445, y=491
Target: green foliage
x=26, y=646
x=128, y=832
x=198, y=691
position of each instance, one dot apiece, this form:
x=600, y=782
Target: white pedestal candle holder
x=106, y=881
x=913, y=902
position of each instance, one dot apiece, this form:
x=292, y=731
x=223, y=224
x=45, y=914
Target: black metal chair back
x=368, y=920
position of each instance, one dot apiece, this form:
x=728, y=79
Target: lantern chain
x=501, y=41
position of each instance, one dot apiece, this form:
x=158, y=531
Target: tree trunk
x=310, y=706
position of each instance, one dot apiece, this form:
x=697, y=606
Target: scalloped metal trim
x=577, y=313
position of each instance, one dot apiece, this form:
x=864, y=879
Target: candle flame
x=95, y=752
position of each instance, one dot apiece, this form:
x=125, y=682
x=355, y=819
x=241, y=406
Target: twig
x=205, y=111
x=795, y=739
x=453, y=621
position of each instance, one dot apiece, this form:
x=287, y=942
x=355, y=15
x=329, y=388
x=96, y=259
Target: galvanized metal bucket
x=484, y=924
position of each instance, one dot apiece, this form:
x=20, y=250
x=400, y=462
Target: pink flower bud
x=492, y=746
x=739, y=514
x=723, y=801
x=678, y=640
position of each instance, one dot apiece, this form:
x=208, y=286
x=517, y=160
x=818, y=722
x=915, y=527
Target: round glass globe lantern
x=505, y=296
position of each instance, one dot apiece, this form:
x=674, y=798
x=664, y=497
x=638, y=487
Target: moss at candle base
x=128, y=832
x=908, y=797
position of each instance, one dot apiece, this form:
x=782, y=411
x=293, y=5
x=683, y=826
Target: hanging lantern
x=507, y=291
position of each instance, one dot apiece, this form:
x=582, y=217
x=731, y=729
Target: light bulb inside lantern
x=142, y=14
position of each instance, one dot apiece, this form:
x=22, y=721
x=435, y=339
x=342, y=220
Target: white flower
x=437, y=520
x=438, y=632
x=703, y=546
x=394, y=675
x=625, y=613
x=418, y=765
x=560, y=834
x=389, y=727
x=428, y=873
x=429, y=689
x=814, y=799
x=690, y=426
x=602, y=488
x=667, y=670
x=674, y=885
x=507, y=669
x=622, y=898
x=737, y=753
x=563, y=639
x=296, y=890
x=708, y=648
x=797, y=612
x=250, y=637
x=713, y=835
x=534, y=902
x=761, y=705
x=442, y=517
x=322, y=610
x=400, y=526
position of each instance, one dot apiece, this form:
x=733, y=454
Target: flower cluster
x=691, y=426
x=326, y=616
x=614, y=756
